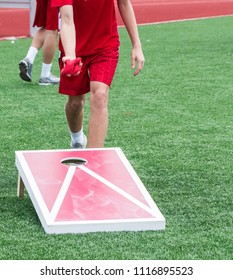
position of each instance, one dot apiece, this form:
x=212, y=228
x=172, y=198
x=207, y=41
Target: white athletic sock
x=46, y=69
x=31, y=55
x=77, y=137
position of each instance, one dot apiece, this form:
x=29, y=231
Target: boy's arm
x=72, y=65
x=128, y=17
x=67, y=32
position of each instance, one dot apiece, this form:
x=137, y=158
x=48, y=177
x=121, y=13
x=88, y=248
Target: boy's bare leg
x=98, y=121
x=39, y=38
x=49, y=47
x=74, y=112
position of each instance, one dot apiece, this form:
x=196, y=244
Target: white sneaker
x=50, y=80
x=78, y=145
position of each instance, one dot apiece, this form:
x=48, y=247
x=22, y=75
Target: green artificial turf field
x=174, y=123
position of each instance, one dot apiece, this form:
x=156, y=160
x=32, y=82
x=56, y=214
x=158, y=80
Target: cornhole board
x=102, y=193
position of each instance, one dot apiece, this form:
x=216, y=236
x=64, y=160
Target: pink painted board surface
x=49, y=173
x=89, y=199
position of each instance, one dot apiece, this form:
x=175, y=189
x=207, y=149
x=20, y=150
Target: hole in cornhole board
x=74, y=161
x=89, y=190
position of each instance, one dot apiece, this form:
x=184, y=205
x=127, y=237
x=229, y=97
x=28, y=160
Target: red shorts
x=99, y=67
x=46, y=16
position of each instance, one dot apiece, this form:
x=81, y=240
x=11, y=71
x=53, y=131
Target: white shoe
x=78, y=145
x=50, y=80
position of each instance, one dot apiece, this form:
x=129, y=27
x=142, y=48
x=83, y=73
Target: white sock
x=46, y=69
x=31, y=55
x=77, y=137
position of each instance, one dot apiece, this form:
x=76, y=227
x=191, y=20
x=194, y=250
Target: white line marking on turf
x=178, y=20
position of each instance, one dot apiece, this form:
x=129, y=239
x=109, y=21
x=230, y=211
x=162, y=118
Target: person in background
x=89, y=31
x=46, y=19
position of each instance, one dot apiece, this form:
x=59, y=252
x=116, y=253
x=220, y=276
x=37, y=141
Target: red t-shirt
x=95, y=23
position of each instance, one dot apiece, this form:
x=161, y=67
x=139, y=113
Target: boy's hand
x=137, y=59
x=72, y=67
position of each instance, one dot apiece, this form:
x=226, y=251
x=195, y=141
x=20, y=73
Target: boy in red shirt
x=89, y=30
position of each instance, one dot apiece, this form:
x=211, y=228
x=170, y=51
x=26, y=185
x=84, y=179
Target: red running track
x=15, y=22
x=153, y=11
